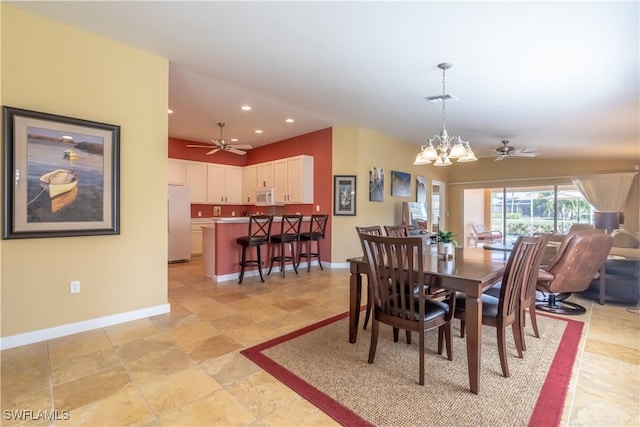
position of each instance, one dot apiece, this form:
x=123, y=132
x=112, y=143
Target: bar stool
x=289, y=234
x=259, y=234
x=317, y=227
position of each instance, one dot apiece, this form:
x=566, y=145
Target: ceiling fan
x=224, y=145
x=508, y=151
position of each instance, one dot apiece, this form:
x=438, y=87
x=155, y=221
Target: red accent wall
x=317, y=144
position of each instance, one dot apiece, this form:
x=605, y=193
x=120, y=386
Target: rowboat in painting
x=59, y=181
x=70, y=154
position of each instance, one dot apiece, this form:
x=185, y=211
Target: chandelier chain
x=443, y=95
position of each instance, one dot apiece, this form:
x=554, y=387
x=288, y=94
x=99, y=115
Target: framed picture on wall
x=61, y=176
x=376, y=184
x=344, y=195
x=400, y=184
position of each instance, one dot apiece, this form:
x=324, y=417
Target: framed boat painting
x=61, y=176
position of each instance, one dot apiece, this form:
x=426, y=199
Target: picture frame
x=344, y=195
x=61, y=176
x=376, y=184
x=400, y=184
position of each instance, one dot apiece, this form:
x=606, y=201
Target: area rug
x=318, y=363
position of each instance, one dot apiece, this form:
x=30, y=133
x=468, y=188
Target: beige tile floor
x=184, y=368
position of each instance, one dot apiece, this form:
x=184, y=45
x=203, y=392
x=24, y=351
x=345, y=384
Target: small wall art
x=344, y=195
x=421, y=188
x=376, y=184
x=400, y=184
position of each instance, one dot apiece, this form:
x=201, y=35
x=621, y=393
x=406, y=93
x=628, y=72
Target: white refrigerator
x=179, y=218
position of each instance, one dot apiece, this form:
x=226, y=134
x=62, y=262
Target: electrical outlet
x=317, y=208
x=199, y=213
x=74, y=286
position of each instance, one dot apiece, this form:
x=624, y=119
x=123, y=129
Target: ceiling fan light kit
x=440, y=149
x=508, y=151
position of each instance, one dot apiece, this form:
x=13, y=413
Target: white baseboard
x=86, y=325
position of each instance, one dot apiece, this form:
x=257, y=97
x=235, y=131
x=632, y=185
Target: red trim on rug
x=327, y=404
x=547, y=412
x=548, y=409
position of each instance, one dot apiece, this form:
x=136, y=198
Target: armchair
x=482, y=234
x=577, y=262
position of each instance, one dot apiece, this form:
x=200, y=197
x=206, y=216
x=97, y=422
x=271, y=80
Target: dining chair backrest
x=394, y=262
x=520, y=268
x=260, y=227
x=396, y=230
x=375, y=230
x=528, y=291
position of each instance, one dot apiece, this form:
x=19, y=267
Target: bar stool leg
x=259, y=250
x=293, y=257
x=318, y=248
x=243, y=263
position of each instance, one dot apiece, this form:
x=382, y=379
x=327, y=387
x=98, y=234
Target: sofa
x=625, y=244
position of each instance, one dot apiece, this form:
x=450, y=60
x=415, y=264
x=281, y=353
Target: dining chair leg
x=462, y=326
x=447, y=338
x=516, y=327
x=421, y=358
x=408, y=335
x=534, y=320
x=396, y=331
x=374, y=340
x=369, y=306
x=502, y=351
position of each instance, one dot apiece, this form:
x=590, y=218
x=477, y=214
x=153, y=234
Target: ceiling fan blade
x=198, y=146
x=217, y=142
x=215, y=150
x=241, y=146
x=499, y=158
x=236, y=151
x=525, y=154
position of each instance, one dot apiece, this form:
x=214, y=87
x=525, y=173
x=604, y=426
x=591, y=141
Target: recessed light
x=67, y=138
x=169, y=111
x=289, y=120
x=257, y=131
x=245, y=108
x=234, y=139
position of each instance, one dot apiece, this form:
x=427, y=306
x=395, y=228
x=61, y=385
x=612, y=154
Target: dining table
x=470, y=271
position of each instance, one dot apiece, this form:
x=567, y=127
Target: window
x=524, y=211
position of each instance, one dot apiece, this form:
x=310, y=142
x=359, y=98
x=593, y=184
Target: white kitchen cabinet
x=249, y=184
x=224, y=184
x=293, y=180
x=264, y=175
x=196, y=178
x=176, y=172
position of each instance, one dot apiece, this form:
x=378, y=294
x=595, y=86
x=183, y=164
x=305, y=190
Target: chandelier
x=442, y=148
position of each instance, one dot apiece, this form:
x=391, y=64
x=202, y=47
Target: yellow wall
x=355, y=152
x=54, y=68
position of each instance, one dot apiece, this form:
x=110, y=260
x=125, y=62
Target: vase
x=445, y=250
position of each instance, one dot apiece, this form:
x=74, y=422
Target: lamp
x=443, y=147
x=606, y=220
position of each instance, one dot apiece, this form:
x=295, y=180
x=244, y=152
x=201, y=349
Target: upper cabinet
x=196, y=178
x=212, y=183
x=176, y=172
x=293, y=180
x=265, y=175
x=249, y=184
x=224, y=184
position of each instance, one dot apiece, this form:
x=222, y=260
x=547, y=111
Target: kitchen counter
x=221, y=254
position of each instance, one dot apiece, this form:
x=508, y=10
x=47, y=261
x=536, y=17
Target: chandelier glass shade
x=443, y=147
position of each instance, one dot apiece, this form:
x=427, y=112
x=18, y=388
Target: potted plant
x=446, y=243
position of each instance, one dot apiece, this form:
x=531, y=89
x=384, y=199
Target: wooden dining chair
x=396, y=230
x=397, y=280
x=375, y=230
x=528, y=292
x=505, y=311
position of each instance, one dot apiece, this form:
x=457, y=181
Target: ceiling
x=562, y=77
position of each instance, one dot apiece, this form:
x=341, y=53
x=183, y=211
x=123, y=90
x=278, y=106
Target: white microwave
x=265, y=197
